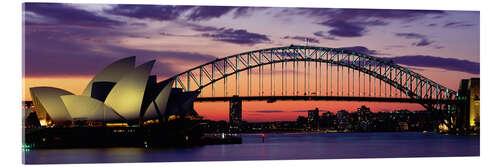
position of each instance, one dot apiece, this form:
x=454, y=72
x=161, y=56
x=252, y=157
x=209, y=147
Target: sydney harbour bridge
x=316, y=73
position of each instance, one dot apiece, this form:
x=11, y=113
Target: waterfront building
x=468, y=112
x=120, y=94
x=364, y=113
x=327, y=120
x=235, y=117
x=313, y=119
x=342, y=120
x=474, y=99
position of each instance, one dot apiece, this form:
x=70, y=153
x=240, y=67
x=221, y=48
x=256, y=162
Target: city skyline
x=65, y=53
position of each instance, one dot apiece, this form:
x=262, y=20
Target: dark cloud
x=269, y=111
x=208, y=12
x=361, y=49
x=55, y=13
x=392, y=13
x=60, y=50
x=230, y=35
x=437, y=17
x=322, y=35
x=437, y=62
x=302, y=38
x=353, y=14
x=176, y=35
x=155, y=12
x=343, y=28
x=246, y=11
x=201, y=28
x=172, y=12
x=51, y=53
x=238, y=36
x=438, y=47
x=355, y=22
x=424, y=41
x=457, y=25
x=410, y=35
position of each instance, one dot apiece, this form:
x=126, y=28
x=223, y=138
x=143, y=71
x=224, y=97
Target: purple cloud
x=47, y=55
x=343, y=28
x=437, y=62
x=208, y=12
x=238, y=36
x=457, y=25
x=172, y=12
x=55, y=13
x=321, y=34
x=62, y=50
x=230, y=35
x=355, y=22
x=361, y=49
x=155, y=12
x=246, y=11
x=353, y=14
x=424, y=41
x=302, y=38
x=201, y=28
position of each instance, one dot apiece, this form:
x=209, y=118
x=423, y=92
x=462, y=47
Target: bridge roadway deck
x=323, y=98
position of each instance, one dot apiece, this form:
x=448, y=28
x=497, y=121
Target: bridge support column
x=235, y=120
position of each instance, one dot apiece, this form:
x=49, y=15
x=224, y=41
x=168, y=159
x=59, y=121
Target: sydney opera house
x=119, y=95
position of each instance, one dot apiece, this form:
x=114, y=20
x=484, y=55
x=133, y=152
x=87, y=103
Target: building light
x=43, y=123
x=116, y=124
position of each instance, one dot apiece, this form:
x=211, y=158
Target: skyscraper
x=235, y=114
x=313, y=118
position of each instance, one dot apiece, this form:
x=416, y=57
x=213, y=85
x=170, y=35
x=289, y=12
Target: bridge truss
x=310, y=72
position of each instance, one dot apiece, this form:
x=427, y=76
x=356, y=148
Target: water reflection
x=279, y=147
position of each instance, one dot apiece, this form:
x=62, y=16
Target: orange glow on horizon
x=262, y=111
x=254, y=111
x=73, y=84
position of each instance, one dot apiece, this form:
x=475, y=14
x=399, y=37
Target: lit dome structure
x=120, y=93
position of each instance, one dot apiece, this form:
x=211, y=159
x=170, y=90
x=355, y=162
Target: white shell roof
x=127, y=95
x=112, y=73
x=161, y=101
x=47, y=99
x=87, y=108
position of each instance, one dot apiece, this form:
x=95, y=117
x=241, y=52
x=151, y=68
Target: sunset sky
x=66, y=44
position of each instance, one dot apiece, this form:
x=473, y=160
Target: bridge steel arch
x=428, y=93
